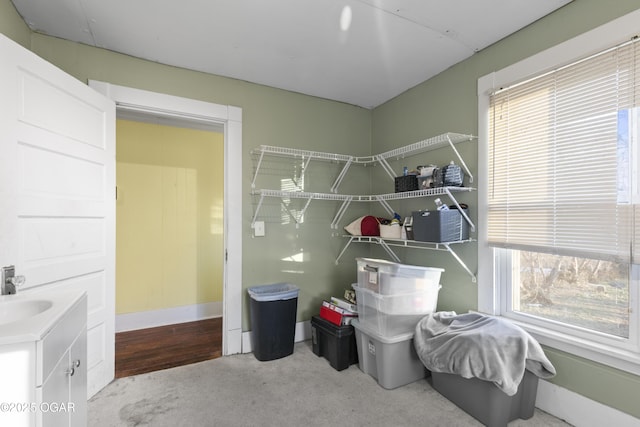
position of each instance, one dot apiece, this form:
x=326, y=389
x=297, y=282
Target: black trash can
x=273, y=320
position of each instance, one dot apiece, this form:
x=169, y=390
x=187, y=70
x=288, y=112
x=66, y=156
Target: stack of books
x=338, y=311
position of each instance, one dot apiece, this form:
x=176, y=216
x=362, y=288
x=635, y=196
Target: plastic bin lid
x=375, y=294
x=273, y=292
x=392, y=264
x=393, y=339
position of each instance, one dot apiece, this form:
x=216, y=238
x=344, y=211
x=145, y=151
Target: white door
x=57, y=191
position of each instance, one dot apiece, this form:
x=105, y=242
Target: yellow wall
x=169, y=238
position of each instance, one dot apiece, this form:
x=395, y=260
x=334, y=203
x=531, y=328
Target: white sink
x=29, y=315
x=15, y=311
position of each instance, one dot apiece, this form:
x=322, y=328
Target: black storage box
x=335, y=343
x=406, y=183
x=440, y=226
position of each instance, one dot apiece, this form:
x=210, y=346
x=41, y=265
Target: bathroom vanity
x=43, y=354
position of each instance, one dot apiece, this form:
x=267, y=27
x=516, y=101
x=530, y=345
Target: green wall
x=12, y=25
x=448, y=103
x=445, y=103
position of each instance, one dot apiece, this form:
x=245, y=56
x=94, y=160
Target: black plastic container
x=273, y=320
x=335, y=343
x=406, y=183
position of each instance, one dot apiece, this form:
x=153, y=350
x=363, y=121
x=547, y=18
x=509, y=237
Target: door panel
x=58, y=185
x=49, y=105
x=57, y=191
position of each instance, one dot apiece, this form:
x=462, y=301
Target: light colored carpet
x=298, y=390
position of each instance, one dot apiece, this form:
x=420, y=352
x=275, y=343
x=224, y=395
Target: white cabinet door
x=63, y=399
x=54, y=392
x=61, y=371
x=57, y=191
x=78, y=382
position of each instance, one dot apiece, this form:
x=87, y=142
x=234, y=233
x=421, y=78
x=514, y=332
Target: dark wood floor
x=163, y=347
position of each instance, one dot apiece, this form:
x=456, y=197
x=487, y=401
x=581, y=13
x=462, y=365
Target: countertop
x=36, y=327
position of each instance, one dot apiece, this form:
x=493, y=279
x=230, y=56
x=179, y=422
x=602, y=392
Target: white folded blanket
x=476, y=345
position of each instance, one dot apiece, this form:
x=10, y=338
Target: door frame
x=230, y=118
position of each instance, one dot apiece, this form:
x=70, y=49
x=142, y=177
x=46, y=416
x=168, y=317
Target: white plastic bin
x=386, y=277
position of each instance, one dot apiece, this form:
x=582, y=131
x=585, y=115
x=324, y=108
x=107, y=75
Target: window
x=560, y=204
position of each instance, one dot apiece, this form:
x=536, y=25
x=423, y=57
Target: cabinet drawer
x=57, y=341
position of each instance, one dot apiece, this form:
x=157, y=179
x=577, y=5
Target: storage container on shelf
x=395, y=314
x=386, y=277
x=440, y=226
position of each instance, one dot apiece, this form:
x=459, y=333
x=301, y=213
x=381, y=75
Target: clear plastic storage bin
x=390, y=315
x=386, y=277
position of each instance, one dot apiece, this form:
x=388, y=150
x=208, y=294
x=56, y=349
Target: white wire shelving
x=450, y=139
x=345, y=200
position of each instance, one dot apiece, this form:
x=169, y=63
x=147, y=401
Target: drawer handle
x=72, y=370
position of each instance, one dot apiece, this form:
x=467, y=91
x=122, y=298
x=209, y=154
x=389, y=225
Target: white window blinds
x=563, y=160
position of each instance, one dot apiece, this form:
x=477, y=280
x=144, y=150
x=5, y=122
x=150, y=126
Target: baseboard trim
x=579, y=410
x=167, y=316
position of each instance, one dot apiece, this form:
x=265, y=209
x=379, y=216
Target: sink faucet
x=10, y=282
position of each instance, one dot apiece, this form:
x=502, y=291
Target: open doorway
x=169, y=243
x=167, y=108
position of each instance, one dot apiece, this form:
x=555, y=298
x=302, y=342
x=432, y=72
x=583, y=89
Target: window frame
x=494, y=265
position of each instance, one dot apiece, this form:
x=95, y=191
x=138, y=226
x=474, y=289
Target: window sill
x=626, y=360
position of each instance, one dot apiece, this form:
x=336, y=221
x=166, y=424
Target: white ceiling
x=297, y=45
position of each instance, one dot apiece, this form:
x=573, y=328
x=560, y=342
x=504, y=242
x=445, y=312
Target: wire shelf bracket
x=413, y=244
